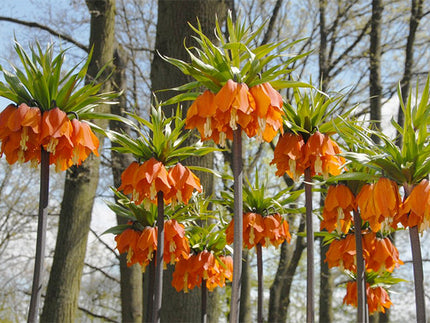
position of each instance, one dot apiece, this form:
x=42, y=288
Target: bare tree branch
x=272, y=20
x=46, y=28
x=88, y=312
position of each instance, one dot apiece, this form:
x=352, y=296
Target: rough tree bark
x=281, y=286
x=172, y=29
x=405, y=83
x=79, y=191
x=131, y=277
x=375, y=87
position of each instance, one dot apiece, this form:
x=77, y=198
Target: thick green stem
x=417, y=261
x=36, y=290
x=204, y=302
x=238, y=226
x=158, y=286
x=260, y=283
x=310, y=249
x=362, y=315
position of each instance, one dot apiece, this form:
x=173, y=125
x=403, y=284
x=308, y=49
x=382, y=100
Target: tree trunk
x=172, y=29
x=281, y=286
x=405, y=83
x=79, y=191
x=375, y=87
x=131, y=277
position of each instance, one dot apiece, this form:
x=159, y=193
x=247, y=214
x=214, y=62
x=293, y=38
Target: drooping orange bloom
x=253, y=230
x=267, y=116
x=379, y=254
x=183, y=182
x=415, y=210
x=322, y=155
x=84, y=142
x=200, y=115
x=342, y=253
x=234, y=105
x=266, y=230
x=176, y=245
x=338, y=205
x=276, y=230
x=377, y=297
x=145, y=181
x=289, y=156
x=146, y=246
x=127, y=242
x=379, y=203
x=20, y=133
x=190, y=272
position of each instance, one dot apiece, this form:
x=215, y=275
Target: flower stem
x=204, y=301
x=260, y=283
x=362, y=315
x=36, y=290
x=417, y=262
x=151, y=278
x=238, y=226
x=158, y=286
x=309, y=248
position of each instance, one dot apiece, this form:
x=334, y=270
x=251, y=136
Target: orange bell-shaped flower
x=322, y=155
x=267, y=116
x=377, y=297
x=415, y=210
x=276, y=230
x=176, y=245
x=146, y=246
x=84, y=142
x=338, y=205
x=200, y=115
x=20, y=133
x=183, y=182
x=342, y=253
x=379, y=203
x=289, y=156
x=126, y=242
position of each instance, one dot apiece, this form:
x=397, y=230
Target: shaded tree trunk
x=375, y=87
x=281, y=286
x=131, y=277
x=172, y=29
x=79, y=191
x=405, y=83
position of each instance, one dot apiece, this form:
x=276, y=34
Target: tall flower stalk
x=307, y=149
x=240, y=97
x=157, y=178
x=44, y=126
x=407, y=166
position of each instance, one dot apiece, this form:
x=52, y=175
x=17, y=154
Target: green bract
x=42, y=82
x=162, y=138
x=212, y=66
x=407, y=165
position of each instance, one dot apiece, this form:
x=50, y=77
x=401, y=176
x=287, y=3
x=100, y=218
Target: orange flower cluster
x=379, y=203
x=258, y=111
x=338, y=205
x=415, y=210
x=190, y=272
x=145, y=180
x=265, y=230
x=24, y=130
x=141, y=245
x=379, y=254
x=292, y=155
x=377, y=297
